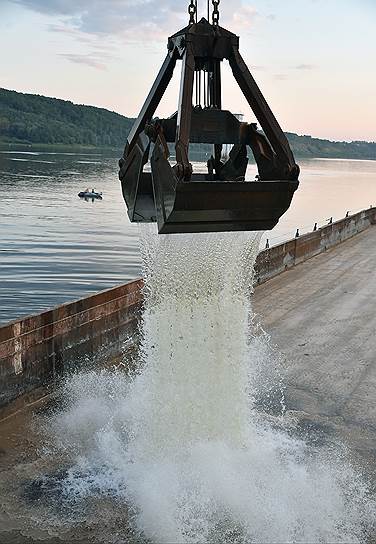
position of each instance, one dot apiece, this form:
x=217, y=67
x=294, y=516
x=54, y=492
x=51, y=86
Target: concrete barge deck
x=322, y=316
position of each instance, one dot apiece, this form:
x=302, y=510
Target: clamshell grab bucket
x=174, y=196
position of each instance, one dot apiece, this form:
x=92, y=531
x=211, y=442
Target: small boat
x=90, y=194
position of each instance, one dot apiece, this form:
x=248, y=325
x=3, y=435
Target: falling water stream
x=194, y=447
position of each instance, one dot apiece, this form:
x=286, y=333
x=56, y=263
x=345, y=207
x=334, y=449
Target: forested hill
x=29, y=118
x=34, y=119
x=306, y=146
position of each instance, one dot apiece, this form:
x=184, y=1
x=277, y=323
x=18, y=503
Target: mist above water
x=184, y=446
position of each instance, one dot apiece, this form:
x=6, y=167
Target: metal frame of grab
x=159, y=195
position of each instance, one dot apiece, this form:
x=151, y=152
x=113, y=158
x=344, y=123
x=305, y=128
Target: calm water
x=55, y=247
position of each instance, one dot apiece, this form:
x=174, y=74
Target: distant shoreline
x=115, y=152
x=20, y=146
x=38, y=122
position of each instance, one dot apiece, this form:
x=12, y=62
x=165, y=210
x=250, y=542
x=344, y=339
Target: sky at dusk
x=314, y=60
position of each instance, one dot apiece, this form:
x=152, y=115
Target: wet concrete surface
x=33, y=502
x=322, y=316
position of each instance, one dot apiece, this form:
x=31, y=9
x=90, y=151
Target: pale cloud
x=130, y=20
x=107, y=24
x=134, y=20
x=54, y=7
x=305, y=67
x=257, y=67
x=72, y=33
x=96, y=60
x=244, y=17
x=99, y=52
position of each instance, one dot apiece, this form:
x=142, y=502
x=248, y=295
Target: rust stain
x=17, y=357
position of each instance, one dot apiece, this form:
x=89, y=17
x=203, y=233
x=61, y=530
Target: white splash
x=182, y=443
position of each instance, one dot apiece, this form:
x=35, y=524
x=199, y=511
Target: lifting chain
x=192, y=10
x=215, y=16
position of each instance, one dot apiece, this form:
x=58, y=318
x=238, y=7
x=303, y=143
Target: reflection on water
x=328, y=188
x=55, y=247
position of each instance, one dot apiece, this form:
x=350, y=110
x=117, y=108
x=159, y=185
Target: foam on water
x=184, y=445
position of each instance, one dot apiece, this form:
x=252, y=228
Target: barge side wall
x=37, y=351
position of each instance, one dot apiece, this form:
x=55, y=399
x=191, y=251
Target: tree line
x=34, y=119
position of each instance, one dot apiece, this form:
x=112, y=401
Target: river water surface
x=55, y=247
